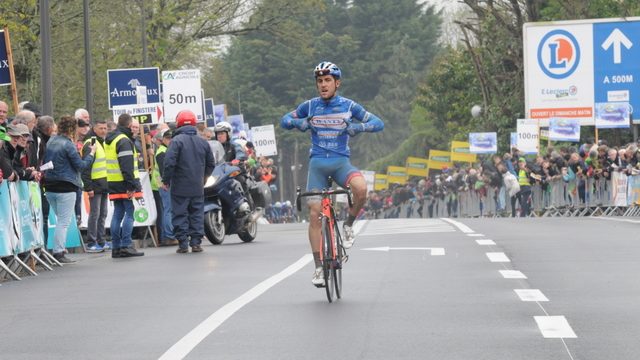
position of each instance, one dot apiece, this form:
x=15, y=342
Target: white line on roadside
x=185, y=345
x=615, y=219
x=555, y=327
x=530, y=295
x=512, y=274
x=485, y=242
x=497, y=257
x=475, y=235
x=462, y=227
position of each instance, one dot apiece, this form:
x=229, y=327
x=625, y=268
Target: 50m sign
x=182, y=91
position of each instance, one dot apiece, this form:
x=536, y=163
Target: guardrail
x=558, y=198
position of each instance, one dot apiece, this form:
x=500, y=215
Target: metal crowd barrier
x=557, y=198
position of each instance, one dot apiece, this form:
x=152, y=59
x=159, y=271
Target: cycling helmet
x=327, y=68
x=278, y=204
x=222, y=126
x=288, y=203
x=185, y=117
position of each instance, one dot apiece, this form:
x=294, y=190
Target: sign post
x=123, y=86
x=7, y=75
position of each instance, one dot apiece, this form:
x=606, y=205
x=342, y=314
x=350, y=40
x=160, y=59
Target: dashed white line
x=512, y=274
x=497, y=257
x=531, y=295
x=554, y=327
x=485, y=242
x=462, y=227
x=475, y=235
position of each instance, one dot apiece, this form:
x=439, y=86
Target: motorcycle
x=229, y=208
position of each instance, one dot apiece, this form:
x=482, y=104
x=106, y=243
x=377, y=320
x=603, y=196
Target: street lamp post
x=88, y=77
x=45, y=58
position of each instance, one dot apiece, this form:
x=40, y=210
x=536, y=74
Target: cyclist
x=332, y=120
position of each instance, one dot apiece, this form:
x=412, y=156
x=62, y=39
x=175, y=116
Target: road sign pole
x=12, y=74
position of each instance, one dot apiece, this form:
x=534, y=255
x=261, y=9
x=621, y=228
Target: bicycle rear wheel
x=327, y=263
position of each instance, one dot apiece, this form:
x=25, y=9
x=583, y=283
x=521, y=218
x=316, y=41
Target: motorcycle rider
x=232, y=150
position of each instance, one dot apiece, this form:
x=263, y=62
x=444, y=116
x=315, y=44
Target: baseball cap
x=18, y=130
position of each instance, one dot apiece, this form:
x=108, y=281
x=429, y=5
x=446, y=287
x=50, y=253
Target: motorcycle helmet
x=222, y=126
x=327, y=68
x=185, y=117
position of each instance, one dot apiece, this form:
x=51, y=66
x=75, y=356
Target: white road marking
x=405, y=226
x=531, y=295
x=462, y=227
x=553, y=327
x=485, y=242
x=615, y=219
x=475, y=235
x=512, y=274
x=434, y=251
x=497, y=257
x=185, y=345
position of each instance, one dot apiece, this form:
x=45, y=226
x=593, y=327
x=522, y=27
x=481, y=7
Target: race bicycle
x=332, y=254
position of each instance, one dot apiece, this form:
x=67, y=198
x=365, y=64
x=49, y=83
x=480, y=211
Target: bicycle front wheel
x=338, y=262
x=327, y=260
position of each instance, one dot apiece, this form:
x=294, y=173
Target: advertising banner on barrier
x=564, y=130
x=612, y=115
x=6, y=225
x=145, y=209
x=380, y=182
x=396, y=175
x=633, y=192
x=417, y=166
x=460, y=152
x=29, y=215
x=619, y=189
x=483, y=143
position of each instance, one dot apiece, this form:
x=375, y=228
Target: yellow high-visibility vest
x=113, y=166
x=99, y=167
x=156, y=179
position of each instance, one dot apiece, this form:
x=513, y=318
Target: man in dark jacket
x=124, y=185
x=187, y=163
x=96, y=186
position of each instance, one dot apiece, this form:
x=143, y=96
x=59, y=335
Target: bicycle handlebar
x=324, y=192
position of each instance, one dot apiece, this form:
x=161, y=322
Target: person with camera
x=96, y=186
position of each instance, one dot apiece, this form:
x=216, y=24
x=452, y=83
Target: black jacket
x=130, y=183
x=187, y=163
x=99, y=186
x=14, y=155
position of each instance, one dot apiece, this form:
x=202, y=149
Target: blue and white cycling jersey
x=329, y=121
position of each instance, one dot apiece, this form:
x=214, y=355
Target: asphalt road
x=413, y=289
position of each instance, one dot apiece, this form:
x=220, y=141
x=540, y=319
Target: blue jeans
x=167, y=226
x=63, y=205
x=122, y=224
